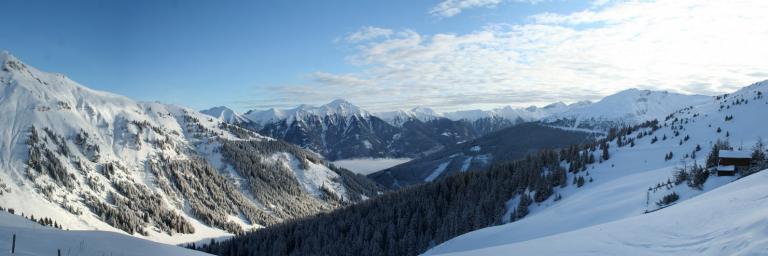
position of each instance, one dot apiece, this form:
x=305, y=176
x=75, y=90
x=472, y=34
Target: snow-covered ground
x=588, y=220
x=729, y=220
x=34, y=239
x=367, y=166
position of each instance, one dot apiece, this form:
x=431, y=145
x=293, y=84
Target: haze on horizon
x=445, y=54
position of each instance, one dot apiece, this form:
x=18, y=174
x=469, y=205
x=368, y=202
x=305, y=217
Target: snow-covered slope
x=729, y=220
x=627, y=107
x=96, y=160
x=226, y=115
x=625, y=186
x=33, y=239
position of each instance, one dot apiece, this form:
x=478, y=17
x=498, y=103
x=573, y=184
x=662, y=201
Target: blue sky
x=254, y=54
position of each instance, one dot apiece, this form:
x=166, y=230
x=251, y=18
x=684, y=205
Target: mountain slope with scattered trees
x=93, y=160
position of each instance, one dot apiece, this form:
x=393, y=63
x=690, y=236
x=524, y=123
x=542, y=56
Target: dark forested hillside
x=506, y=144
x=409, y=221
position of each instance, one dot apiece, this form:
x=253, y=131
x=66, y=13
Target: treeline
x=44, y=221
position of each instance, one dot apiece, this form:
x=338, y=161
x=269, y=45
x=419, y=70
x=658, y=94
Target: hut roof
x=734, y=154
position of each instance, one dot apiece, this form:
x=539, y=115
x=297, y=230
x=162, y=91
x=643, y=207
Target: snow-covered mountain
x=528, y=114
x=337, y=108
x=226, y=115
x=336, y=130
x=341, y=130
x=625, y=108
x=96, y=160
x=643, y=169
x=628, y=107
x=398, y=117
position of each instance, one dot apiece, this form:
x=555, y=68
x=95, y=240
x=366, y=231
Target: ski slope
x=729, y=220
x=34, y=239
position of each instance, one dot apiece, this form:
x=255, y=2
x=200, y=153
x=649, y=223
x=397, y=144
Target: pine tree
x=714, y=154
x=758, y=151
x=580, y=181
x=605, y=155
x=698, y=177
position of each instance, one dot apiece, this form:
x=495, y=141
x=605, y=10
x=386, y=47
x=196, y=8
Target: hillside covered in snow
x=625, y=108
x=642, y=169
x=30, y=236
x=729, y=220
x=95, y=160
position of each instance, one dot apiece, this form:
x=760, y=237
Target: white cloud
x=368, y=33
x=450, y=8
x=338, y=80
x=686, y=46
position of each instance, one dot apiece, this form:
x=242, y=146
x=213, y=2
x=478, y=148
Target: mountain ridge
x=96, y=160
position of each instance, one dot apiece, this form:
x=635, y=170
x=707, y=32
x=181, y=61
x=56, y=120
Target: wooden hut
x=732, y=161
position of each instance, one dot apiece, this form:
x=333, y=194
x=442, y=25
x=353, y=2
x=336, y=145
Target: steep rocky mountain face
x=340, y=130
x=504, y=145
x=337, y=136
x=94, y=160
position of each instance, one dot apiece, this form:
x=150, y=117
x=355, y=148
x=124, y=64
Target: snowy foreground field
x=729, y=220
x=367, y=166
x=34, y=239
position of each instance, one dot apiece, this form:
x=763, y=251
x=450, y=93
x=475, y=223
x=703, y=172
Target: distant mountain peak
x=4, y=55
x=339, y=107
x=625, y=107
x=225, y=114
x=219, y=109
x=339, y=103
x=10, y=63
x=558, y=104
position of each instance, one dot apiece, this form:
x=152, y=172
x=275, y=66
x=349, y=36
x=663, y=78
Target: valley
x=378, y=128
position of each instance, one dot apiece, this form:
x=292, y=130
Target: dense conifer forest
x=412, y=220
